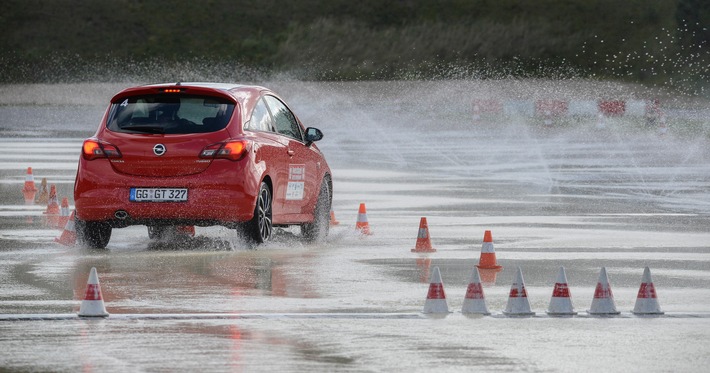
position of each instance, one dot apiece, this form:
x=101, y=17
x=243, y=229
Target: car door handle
x=290, y=152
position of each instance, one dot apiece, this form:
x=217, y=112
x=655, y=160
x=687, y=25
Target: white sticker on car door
x=296, y=182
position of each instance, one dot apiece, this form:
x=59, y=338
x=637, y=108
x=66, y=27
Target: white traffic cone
x=561, y=303
x=603, y=303
x=436, y=298
x=475, y=301
x=518, y=304
x=93, y=303
x=647, y=301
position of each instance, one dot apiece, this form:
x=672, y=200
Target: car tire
x=318, y=229
x=260, y=228
x=93, y=234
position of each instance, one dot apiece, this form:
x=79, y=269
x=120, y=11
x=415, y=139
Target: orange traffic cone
x=29, y=190
x=603, y=303
x=475, y=302
x=488, y=254
x=53, y=210
x=647, y=301
x=362, y=224
x=68, y=237
x=436, y=298
x=63, y=214
x=43, y=193
x=93, y=303
x=423, y=241
x=333, y=221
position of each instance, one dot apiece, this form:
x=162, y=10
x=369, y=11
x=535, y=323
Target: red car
x=201, y=154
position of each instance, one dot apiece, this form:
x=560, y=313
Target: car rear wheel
x=260, y=228
x=318, y=229
x=93, y=234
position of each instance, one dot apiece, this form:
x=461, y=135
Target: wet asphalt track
x=572, y=195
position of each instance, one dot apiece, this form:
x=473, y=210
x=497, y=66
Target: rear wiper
x=143, y=128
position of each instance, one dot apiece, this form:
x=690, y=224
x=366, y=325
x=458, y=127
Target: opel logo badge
x=159, y=149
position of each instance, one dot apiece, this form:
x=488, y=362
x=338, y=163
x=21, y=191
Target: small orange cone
x=29, y=190
x=53, y=210
x=63, y=214
x=68, y=237
x=43, y=193
x=93, y=303
x=423, y=244
x=333, y=221
x=647, y=301
x=488, y=254
x=436, y=298
x=603, y=303
x=362, y=224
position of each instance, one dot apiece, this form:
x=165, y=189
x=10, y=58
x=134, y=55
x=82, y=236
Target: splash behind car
x=201, y=154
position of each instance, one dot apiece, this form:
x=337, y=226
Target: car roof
x=239, y=92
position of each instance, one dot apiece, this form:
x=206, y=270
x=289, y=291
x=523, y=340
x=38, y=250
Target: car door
x=298, y=186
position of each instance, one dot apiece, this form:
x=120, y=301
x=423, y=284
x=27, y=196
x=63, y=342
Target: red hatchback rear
x=201, y=154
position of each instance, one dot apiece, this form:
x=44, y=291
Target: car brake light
x=93, y=149
x=233, y=150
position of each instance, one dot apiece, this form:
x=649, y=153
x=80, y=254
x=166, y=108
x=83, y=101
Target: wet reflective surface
x=571, y=195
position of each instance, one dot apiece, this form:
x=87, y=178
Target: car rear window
x=169, y=114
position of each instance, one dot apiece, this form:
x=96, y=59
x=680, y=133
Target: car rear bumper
x=224, y=194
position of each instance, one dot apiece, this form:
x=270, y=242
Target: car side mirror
x=313, y=135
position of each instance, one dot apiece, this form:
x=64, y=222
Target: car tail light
x=93, y=149
x=232, y=150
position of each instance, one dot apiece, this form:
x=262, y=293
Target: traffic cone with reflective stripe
x=53, y=210
x=333, y=221
x=186, y=230
x=518, y=303
x=43, y=193
x=603, y=303
x=362, y=225
x=423, y=244
x=647, y=301
x=488, y=253
x=475, y=302
x=29, y=190
x=68, y=237
x=436, y=298
x=63, y=214
x=93, y=303
x=561, y=303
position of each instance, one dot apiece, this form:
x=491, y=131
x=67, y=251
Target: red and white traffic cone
x=561, y=303
x=93, y=303
x=647, y=301
x=68, y=237
x=333, y=221
x=436, y=298
x=474, y=303
x=603, y=303
x=423, y=244
x=63, y=214
x=518, y=303
x=53, y=210
x=488, y=254
x=29, y=190
x=185, y=230
x=362, y=225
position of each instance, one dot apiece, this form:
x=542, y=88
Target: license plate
x=158, y=195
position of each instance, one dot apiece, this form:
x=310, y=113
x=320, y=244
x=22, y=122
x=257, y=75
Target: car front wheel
x=317, y=230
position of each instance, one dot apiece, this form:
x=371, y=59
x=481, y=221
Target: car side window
x=284, y=120
x=260, y=118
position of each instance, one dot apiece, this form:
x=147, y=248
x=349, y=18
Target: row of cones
x=560, y=304
x=56, y=215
